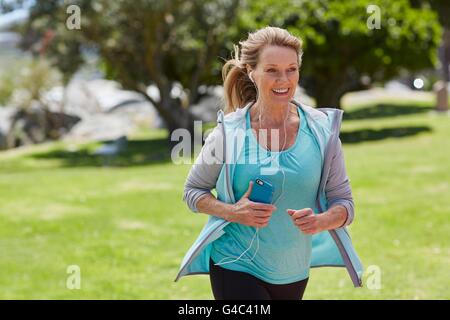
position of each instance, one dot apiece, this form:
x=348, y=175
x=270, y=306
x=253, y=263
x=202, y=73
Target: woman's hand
x=251, y=213
x=307, y=221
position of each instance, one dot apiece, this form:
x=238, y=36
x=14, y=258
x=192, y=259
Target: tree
x=173, y=44
x=176, y=44
x=342, y=53
x=443, y=9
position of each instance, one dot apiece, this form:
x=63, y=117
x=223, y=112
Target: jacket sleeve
x=337, y=189
x=202, y=177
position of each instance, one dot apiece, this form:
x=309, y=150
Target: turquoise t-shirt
x=283, y=252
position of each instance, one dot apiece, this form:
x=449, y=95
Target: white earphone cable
x=256, y=234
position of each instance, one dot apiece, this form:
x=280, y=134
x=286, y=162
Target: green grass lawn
x=127, y=228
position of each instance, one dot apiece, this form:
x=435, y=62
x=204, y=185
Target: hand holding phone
x=255, y=207
x=262, y=192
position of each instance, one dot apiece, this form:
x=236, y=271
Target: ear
x=249, y=70
x=250, y=73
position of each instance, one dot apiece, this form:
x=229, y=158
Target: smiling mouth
x=280, y=92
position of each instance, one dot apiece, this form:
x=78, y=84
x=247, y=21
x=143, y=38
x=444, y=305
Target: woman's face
x=276, y=75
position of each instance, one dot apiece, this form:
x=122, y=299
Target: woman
x=257, y=250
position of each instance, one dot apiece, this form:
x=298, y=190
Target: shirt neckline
x=297, y=137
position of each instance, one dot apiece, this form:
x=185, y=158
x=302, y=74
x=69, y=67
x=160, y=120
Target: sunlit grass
x=127, y=228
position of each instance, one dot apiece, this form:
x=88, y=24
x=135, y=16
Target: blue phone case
x=262, y=191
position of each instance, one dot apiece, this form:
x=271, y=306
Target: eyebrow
x=272, y=64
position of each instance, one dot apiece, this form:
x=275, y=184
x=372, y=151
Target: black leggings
x=234, y=285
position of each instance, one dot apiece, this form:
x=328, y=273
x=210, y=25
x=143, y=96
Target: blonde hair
x=238, y=88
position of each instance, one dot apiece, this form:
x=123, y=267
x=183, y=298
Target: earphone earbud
x=250, y=76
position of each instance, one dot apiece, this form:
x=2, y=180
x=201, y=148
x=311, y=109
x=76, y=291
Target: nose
x=283, y=77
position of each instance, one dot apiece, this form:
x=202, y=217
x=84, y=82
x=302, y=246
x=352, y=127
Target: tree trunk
x=328, y=97
x=444, y=57
x=174, y=116
x=329, y=91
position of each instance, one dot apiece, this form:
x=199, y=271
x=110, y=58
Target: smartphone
x=262, y=191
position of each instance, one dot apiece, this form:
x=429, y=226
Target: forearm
x=334, y=217
x=210, y=205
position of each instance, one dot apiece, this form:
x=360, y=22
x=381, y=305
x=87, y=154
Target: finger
x=263, y=206
x=301, y=216
x=304, y=226
x=262, y=215
x=303, y=212
x=260, y=211
x=249, y=190
x=262, y=223
x=263, y=219
x=292, y=211
x=300, y=212
x=304, y=221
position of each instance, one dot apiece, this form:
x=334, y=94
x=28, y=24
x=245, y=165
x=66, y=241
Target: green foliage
x=442, y=8
x=339, y=46
x=165, y=42
x=338, y=32
x=6, y=86
x=142, y=41
x=21, y=84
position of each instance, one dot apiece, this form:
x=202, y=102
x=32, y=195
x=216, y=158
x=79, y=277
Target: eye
x=271, y=70
x=293, y=69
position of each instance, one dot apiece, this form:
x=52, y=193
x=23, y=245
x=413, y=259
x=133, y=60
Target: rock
x=101, y=127
x=6, y=120
x=106, y=111
x=34, y=125
x=89, y=97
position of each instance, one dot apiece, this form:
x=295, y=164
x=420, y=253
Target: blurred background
x=90, y=92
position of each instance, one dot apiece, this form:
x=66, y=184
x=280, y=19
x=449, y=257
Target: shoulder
x=328, y=118
x=214, y=135
x=313, y=113
x=237, y=116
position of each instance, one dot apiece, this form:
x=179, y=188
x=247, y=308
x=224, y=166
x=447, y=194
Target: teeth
x=280, y=90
